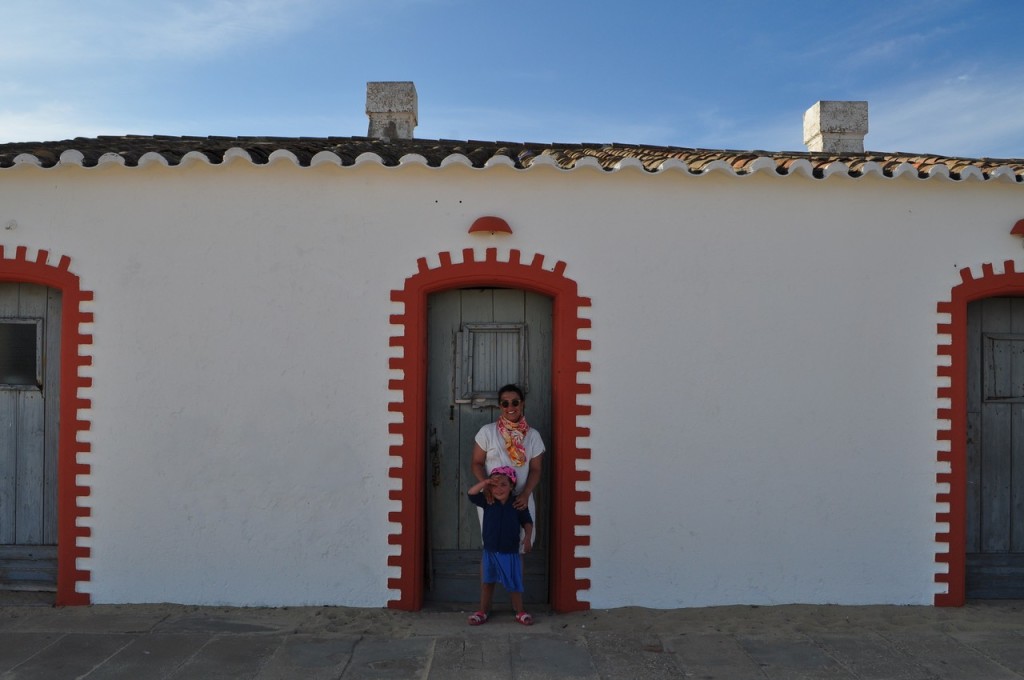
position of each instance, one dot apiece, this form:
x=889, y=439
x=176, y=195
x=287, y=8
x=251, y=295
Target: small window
x=20, y=358
x=489, y=355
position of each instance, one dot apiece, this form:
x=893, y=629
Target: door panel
x=30, y=506
x=489, y=325
x=29, y=389
x=995, y=449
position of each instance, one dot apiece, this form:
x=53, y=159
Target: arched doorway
x=73, y=358
x=953, y=497
x=566, y=387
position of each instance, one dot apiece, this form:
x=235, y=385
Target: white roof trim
x=762, y=164
x=327, y=158
x=454, y=159
x=152, y=158
x=27, y=159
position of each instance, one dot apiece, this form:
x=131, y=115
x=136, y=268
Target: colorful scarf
x=513, y=434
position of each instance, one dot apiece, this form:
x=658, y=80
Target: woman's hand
x=521, y=502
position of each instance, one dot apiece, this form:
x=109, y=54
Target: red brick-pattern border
x=990, y=284
x=69, y=491
x=565, y=390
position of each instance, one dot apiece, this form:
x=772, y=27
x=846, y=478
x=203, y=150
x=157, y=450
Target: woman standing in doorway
x=510, y=441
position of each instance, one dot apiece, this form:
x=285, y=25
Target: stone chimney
x=392, y=109
x=836, y=127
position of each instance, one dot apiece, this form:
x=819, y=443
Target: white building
x=248, y=371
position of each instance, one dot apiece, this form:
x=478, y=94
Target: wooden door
x=995, y=449
x=479, y=340
x=29, y=389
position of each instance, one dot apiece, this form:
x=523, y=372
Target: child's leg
x=517, y=578
x=486, y=595
x=516, y=595
x=521, y=615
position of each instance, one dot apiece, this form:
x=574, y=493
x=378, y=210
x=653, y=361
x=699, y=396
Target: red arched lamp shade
x=1018, y=229
x=494, y=225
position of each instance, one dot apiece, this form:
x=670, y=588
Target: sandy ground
x=987, y=616
x=733, y=620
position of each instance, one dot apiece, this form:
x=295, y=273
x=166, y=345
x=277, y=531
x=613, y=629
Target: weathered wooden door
x=29, y=389
x=479, y=340
x=995, y=449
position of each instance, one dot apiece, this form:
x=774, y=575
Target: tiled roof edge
x=141, y=151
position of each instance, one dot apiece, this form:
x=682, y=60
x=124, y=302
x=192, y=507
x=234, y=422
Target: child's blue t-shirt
x=501, y=523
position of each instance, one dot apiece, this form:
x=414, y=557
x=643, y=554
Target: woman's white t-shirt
x=493, y=444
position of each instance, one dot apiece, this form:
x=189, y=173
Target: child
x=501, y=542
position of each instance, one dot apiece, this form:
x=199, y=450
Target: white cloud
x=960, y=115
x=55, y=31
x=48, y=122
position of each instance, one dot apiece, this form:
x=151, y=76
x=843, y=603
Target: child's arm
x=527, y=537
x=481, y=494
x=479, y=487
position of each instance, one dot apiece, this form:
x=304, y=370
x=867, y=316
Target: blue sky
x=941, y=76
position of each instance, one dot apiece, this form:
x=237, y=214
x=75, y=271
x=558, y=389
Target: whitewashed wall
x=764, y=381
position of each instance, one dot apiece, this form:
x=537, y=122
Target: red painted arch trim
x=1009, y=283
x=491, y=225
x=566, y=389
x=70, y=491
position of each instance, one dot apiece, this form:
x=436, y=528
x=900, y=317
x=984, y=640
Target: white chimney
x=392, y=109
x=836, y=127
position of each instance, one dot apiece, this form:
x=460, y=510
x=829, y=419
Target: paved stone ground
x=980, y=641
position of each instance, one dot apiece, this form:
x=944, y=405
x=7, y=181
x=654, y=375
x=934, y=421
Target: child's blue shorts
x=503, y=568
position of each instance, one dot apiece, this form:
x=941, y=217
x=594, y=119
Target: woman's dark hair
x=512, y=388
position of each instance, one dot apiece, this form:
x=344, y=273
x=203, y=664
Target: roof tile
x=567, y=156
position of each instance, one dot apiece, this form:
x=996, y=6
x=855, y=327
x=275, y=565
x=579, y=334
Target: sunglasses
x=506, y=403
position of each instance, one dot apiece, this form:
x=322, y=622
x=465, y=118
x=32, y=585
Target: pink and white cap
x=505, y=470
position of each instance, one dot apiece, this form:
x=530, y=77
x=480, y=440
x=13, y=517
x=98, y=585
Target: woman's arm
x=531, y=482
x=479, y=460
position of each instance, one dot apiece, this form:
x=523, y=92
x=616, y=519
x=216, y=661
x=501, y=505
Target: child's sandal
x=524, y=618
x=477, y=618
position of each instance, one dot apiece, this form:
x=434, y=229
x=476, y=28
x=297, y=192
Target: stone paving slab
x=479, y=656
x=70, y=656
x=228, y=658
x=1003, y=647
x=379, y=658
x=540, y=657
x=870, y=657
x=632, y=656
x=310, y=657
x=715, y=656
x=976, y=642
x=946, y=658
x=791, y=658
x=150, y=656
x=17, y=648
